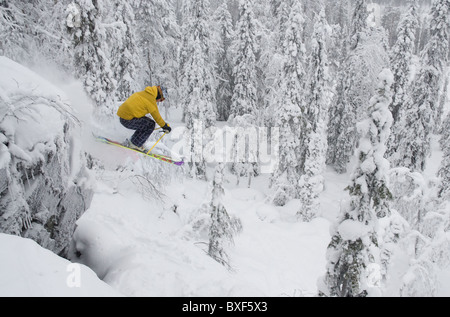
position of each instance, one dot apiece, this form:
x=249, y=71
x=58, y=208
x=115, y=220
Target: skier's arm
x=157, y=117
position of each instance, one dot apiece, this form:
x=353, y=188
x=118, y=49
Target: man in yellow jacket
x=133, y=113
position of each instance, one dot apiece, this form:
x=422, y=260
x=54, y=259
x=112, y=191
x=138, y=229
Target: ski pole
x=156, y=142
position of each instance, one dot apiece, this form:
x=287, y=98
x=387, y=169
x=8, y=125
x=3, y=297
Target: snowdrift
x=28, y=270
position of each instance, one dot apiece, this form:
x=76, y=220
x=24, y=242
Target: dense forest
x=341, y=80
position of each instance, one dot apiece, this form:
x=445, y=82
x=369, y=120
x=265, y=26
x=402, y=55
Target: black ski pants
x=144, y=128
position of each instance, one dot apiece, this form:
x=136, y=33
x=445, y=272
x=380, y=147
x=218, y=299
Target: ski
x=156, y=156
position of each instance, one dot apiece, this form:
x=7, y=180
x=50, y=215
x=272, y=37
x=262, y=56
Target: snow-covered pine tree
x=428, y=244
x=273, y=27
x=401, y=61
x=197, y=74
x=245, y=112
x=281, y=10
x=8, y=28
x=197, y=79
x=374, y=165
x=38, y=35
x=125, y=58
x=437, y=52
x=317, y=105
x=414, y=134
x=338, y=16
x=287, y=110
x=342, y=120
x=420, y=115
x=425, y=210
x=224, y=65
x=410, y=192
x=445, y=132
x=92, y=62
x=395, y=232
x=425, y=239
x=32, y=31
x=337, y=12
x=246, y=49
x=401, y=58
x=359, y=23
x=444, y=98
x=421, y=278
x=223, y=227
x=342, y=116
x=426, y=258
x=444, y=170
x=158, y=33
x=354, y=246
x=355, y=86
x=15, y=36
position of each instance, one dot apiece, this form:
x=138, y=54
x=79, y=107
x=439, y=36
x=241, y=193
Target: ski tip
x=179, y=163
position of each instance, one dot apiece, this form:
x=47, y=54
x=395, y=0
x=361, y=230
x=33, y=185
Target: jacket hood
x=152, y=91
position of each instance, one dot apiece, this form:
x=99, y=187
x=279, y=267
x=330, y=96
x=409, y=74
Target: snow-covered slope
x=26, y=269
x=143, y=248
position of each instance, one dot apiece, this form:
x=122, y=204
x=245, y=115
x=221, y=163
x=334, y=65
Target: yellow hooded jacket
x=141, y=103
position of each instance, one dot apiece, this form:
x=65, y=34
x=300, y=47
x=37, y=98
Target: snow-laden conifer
x=223, y=226
x=401, y=58
x=197, y=79
x=288, y=114
x=90, y=41
x=343, y=115
x=444, y=170
x=13, y=36
x=359, y=23
x=158, y=34
x=420, y=115
x=437, y=53
x=245, y=111
x=225, y=84
x=125, y=58
x=246, y=49
x=317, y=106
x=354, y=250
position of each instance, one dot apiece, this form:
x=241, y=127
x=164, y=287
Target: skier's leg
x=144, y=127
x=141, y=135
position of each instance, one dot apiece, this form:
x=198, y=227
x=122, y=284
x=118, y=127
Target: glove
x=166, y=128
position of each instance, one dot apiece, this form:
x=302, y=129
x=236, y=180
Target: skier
x=133, y=113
